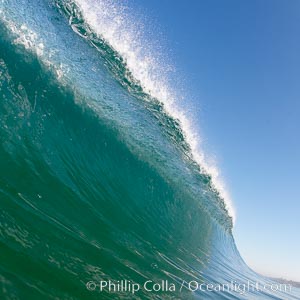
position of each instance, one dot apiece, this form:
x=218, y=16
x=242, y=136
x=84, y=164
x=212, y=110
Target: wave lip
x=113, y=24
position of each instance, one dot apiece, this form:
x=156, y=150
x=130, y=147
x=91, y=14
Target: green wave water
x=97, y=180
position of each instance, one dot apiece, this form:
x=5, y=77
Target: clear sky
x=240, y=61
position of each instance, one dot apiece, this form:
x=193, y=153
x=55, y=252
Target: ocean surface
x=102, y=193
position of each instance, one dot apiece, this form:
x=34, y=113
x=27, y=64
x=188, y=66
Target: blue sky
x=240, y=61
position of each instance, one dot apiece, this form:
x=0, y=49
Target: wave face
x=97, y=180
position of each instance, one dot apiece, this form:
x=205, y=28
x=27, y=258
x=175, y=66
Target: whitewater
x=102, y=174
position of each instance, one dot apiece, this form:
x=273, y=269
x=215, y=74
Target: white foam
x=33, y=42
x=115, y=23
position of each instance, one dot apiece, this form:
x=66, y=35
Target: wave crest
x=112, y=23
